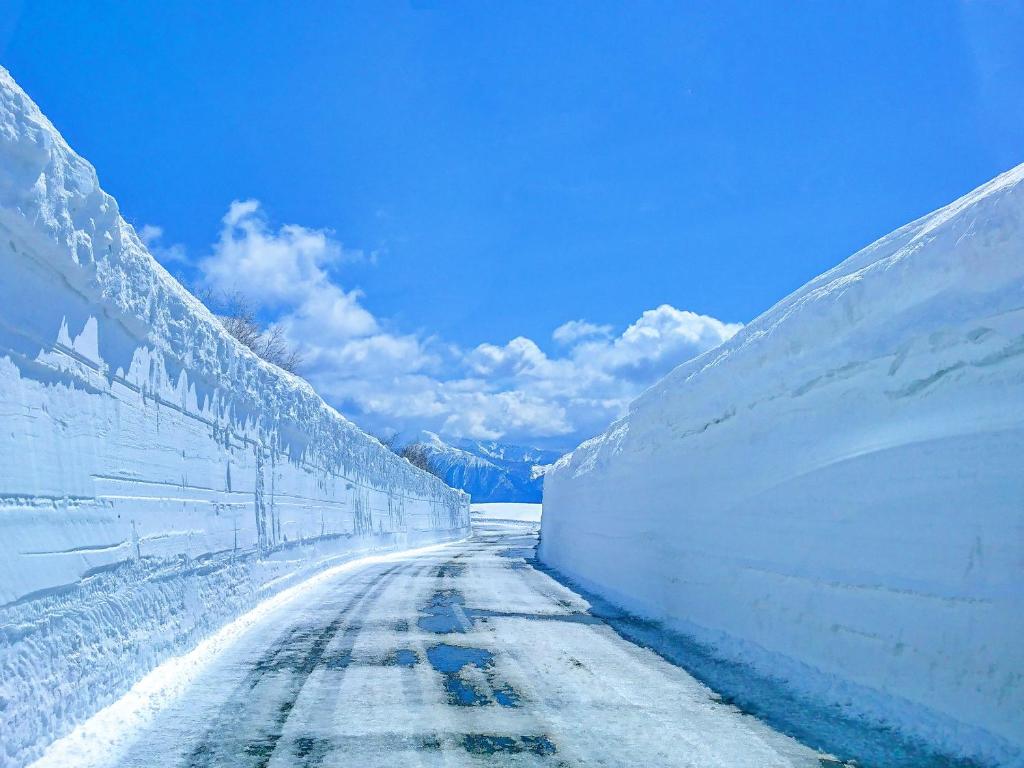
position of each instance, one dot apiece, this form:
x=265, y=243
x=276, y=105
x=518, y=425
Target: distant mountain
x=488, y=470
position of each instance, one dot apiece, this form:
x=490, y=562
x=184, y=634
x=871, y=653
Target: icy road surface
x=465, y=655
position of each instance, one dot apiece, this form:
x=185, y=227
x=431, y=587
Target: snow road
x=461, y=655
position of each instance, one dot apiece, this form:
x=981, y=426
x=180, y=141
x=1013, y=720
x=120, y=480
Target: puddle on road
x=450, y=570
x=338, y=660
x=444, y=613
x=313, y=751
x=453, y=661
x=401, y=658
x=522, y=553
x=488, y=744
x=450, y=660
x=316, y=751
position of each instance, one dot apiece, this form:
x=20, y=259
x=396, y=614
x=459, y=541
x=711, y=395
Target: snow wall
x=836, y=494
x=156, y=478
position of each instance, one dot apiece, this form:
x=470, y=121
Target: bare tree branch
x=389, y=441
x=416, y=454
x=238, y=318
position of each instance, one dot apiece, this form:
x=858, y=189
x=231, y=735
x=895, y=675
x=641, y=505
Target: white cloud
x=271, y=268
x=519, y=356
x=574, y=330
x=491, y=416
x=388, y=380
x=593, y=381
x=285, y=273
x=328, y=313
x=151, y=236
x=658, y=341
x=150, y=233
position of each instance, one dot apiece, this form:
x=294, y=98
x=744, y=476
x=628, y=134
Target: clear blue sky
x=518, y=165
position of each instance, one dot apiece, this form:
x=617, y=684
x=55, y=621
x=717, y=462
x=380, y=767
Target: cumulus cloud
x=150, y=233
x=491, y=416
x=658, y=341
x=386, y=380
x=152, y=237
x=593, y=381
x=286, y=274
x=282, y=268
x=574, y=330
x=519, y=357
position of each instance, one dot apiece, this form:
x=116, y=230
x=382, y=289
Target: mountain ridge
x=489, y=470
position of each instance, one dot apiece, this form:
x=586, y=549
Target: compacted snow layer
x=836, y=494
x=156, y=478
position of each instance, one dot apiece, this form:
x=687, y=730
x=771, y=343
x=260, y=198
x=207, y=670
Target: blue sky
x=442, y=187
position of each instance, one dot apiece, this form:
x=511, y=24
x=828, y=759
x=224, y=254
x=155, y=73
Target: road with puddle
x=467, y=655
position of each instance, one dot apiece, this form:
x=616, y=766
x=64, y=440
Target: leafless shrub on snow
x=416, y=454
x=239, y=319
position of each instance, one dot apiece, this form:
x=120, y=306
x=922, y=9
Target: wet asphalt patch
x=445, y=613
x=520, y=553
x=489, y=744
x=463, y=688
x=313, y=751
x=450, y=570
x=401, y=658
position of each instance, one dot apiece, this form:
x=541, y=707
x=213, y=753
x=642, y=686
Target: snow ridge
x=838, y=487
x=156, y=477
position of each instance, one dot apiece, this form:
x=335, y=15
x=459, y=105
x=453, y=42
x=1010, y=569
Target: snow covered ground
x=505, y=512
x=463, y=655
x=836, y=495
x=156, y=478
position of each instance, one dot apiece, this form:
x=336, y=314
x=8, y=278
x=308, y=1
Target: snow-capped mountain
x=488, y=470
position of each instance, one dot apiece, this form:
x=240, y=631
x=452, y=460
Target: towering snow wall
x=836, y=494
x=156, y=478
